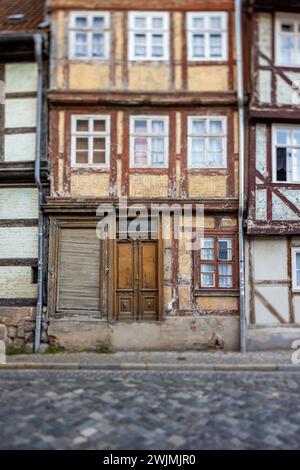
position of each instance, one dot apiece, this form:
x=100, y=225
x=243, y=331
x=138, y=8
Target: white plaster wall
x=270, y=258
x=20, y=112
x=261, y=148
x=20, y=77
x=261, y=204
x=15, y=282
x=18, y=203
x=264, y=86
x=265, y=34
x=19, y=147
x=18, y=242
x=277, y=296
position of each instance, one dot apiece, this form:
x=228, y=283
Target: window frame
x=295, y=251
x=275, y=128
x=190, y=137
x=132, y=30
x=212, y=290
x=190, y=30
x=295, y=18
x=89, y=31
x=89, y=135
x=165, y=136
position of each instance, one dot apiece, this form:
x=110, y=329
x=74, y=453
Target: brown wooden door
x=137, y=293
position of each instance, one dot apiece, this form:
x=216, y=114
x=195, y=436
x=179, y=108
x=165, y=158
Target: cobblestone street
x=153, y=410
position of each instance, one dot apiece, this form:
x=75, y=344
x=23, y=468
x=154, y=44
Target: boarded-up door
x=137, y=294
x=78, y=281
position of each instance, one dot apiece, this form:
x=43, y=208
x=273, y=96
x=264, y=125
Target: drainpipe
x=38, y=44
x=240, y=96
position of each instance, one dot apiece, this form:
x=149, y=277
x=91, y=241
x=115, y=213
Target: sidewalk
x=168, y=361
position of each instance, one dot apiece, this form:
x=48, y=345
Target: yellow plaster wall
x=150, y=77
x=91, y=184
x=217, y=303
x=148, y=185
x=208, y=78
x=89, y=76
x=207, y=186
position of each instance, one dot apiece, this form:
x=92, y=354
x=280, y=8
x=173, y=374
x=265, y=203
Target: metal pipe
x=38, y=43
x=240, y=96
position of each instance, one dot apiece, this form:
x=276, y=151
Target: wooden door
x=137, y=293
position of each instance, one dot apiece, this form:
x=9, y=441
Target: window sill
x=216, y=293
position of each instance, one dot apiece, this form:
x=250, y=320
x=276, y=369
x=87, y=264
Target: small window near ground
x=149, y=141
x=148, y=36
x=286, y=154
x=89, y=35
x=90, y=140
x=207, y=36
x=207, y=142
x=288, y=40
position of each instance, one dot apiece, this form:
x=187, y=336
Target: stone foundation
x=176, y=333
x=271, y=338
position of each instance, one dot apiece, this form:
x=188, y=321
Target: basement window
x=148, y=36
x=296, y=268
x=89, y=35
x=288, y=40
x=207, y=36
x=90, y=141
x=149, y=138
x=215, y=263
x=286, y=154
x=206, y=142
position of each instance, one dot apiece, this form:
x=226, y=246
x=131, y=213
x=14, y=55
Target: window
x=149, y=141
x=215, y=263
x=288, y=40
x=90, y=140
x=286, y=153
x=296, y=268
x=148, y=36
x=207, y=36
x=89, y=35
x=207, y=142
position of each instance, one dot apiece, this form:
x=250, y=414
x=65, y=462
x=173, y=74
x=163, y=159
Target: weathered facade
x=273, y=218
x=143, y=105
x=19, y=204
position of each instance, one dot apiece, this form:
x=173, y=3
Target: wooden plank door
x=137, y=293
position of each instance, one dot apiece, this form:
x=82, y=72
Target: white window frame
x=206, y=32
x=295, y=251
x=89, y=31
x=191, y=135
x=289, y=17
x=148, y=31
x=289, y=169
x=149, y=135
x=91, y=135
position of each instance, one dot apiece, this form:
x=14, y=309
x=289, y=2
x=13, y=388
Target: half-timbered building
x=143, y=105
x=273, y=217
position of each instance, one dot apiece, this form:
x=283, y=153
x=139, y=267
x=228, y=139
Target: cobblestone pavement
x=153, y=410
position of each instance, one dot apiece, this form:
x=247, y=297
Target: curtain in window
x=157, y=154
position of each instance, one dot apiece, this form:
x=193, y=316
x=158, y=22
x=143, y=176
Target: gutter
x=240, y=95
x=38, y=44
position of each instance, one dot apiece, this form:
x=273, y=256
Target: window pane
x=282, y=136
x=157, y=151
x=287, y=27
x=80, y=22
x=225, y=275
x=215, y=45
x=140, y=45
x=198, y=23
x=140, y=151
x=215, y=127
x=198, y=45
x=82, y=125
x=207, y=275
x=216, y=22
x=140, y=126
x=157, y=45
x=140, y=22
x=157, y=23
x=98, y=45
x=298, y=278
x=281, y=173
x=215, y=154
x=99, y=125
x=81, y=44
x=99, y=143
x=215, y=144
x=287, y=47
x=296, y=165
x=157, y=127
x=98, y=22
x=207, y=248
x=82, y=154
x=198, y=127
x=297, y=260
x=296, y=135
x=99, y=157
x=82, y=143
x=198, y=151
x=225, y=249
